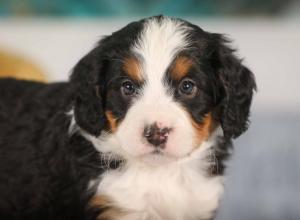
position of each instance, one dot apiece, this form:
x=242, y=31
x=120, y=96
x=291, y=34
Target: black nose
x=156, y=136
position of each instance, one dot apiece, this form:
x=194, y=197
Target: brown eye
x=188, y=88
x=128, y=88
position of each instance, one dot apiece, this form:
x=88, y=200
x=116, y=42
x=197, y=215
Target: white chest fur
x=172, y=192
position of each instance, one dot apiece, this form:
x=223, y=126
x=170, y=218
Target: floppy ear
x=88, y=106
x=237, y=85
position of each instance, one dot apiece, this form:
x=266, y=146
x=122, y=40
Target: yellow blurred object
x=20, y=68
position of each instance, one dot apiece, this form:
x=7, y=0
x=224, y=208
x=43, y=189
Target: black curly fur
x=238, y=85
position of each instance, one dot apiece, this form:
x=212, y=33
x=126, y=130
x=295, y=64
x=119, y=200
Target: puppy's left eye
x=188, y=88
x=128, y=88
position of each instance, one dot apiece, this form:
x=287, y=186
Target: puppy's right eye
x=187, y=88
x=128, y=88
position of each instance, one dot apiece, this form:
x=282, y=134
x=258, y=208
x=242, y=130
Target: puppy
x=140, y=132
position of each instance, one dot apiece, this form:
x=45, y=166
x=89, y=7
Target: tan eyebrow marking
x=133, y=68
x=181, y=67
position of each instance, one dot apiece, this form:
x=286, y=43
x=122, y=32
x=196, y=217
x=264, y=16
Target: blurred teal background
x=88, y=8
x=263, y=177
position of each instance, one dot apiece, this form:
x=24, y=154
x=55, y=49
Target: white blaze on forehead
x=158, y=44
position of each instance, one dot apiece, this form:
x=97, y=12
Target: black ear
x=88, y=106
x=237, y=85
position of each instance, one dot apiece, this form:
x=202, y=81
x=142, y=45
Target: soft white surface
x=270, y=48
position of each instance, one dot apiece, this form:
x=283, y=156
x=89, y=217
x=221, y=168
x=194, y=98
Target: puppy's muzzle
x=156, y=135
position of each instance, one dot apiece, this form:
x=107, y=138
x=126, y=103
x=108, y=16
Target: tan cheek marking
x=110, y=210
x=203, y=129
x=181, y=67
x=111, y=120
x=133, y=69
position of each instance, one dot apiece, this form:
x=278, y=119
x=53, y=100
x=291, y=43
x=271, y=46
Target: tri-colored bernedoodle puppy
x=139, y=132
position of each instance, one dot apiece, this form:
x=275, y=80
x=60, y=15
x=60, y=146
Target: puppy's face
x=155, y=110
x=161, y=89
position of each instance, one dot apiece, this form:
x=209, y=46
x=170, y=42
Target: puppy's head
x=159, y=88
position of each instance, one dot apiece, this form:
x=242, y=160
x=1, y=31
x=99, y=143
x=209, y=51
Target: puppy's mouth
x=157, y=157
x=157, y=151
